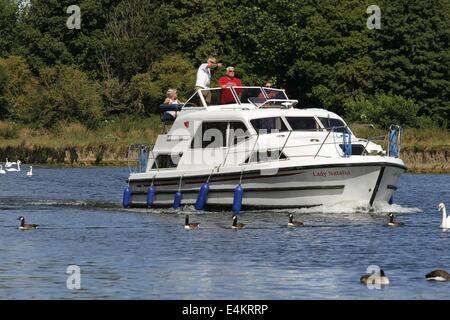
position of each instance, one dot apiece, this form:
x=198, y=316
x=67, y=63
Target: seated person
x=171, y=98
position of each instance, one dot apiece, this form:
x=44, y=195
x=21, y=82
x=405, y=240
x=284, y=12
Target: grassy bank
x=414, y=140
x=425, y=150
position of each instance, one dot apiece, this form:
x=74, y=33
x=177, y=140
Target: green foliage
x=3, y=102
x=144, y=92
x=129, y=52
x=21, y=91
x=175, y=71
x=385, y=110
x=68, y=94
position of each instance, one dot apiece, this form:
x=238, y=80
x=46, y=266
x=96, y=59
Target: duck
x=393, y=223
x=293, y=223
x=15, y=169
x=30, y=172
x=190, y=226
x=2, y=171
x=25, y=226
x=438, y=275
x=375, y=278
x=445, y=224
x=237, y=225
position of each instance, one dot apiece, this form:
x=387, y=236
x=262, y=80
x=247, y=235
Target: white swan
x=445, y=220
x=8, y=164
x=15, y=169
x=1, y=170
x=30, y=172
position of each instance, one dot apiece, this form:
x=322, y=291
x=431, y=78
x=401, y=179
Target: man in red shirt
x=229, y=81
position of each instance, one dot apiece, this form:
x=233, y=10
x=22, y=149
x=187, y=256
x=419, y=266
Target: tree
x=68, y=94
x=8, y=18
x=413, y=56
x=21, y=91
x=3, y=101
x=136, y=35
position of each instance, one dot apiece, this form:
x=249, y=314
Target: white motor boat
x=280, y=156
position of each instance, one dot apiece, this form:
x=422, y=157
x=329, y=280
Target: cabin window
x=303, y=123
x=210, y=135
x=269, y=125
x=328, y=123
x=238, y=132
x=266, y=155
x=166, y=161
x=357, y=149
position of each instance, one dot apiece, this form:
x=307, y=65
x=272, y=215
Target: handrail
x=142, y=157
x=332, y=129
x=284, y=145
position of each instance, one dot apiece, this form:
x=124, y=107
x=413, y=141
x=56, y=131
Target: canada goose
x=1, y=170
x=15, y=169
x=445, y=220
x=24, y=226
x=237, y=225
x=375, y=278
x=393, y=223
x=293, y=223
x=190, y=226
x=30, y=172
x=438, y=275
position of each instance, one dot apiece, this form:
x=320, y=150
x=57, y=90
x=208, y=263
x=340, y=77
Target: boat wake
x=11, y=203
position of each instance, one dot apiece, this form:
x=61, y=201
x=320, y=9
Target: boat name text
x=330, y=173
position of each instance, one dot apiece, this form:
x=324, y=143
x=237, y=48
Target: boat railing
x=345, y=151
x=138, y=157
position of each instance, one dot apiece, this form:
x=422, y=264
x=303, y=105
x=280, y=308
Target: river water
x=147, y=254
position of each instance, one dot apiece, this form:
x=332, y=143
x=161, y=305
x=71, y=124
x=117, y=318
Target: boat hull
x=359, y=184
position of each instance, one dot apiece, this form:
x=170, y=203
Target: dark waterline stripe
x=172, y=191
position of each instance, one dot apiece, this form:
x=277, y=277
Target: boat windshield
x=336, y=124
x=236, y=95
x=249, y=94
x=275, y=94
x=194, y=101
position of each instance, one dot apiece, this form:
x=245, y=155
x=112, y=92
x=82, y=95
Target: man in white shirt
x=204, y=74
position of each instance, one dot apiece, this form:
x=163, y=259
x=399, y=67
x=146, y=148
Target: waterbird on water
x=293, y=223
x=1, y=170
x=30, y=172
x=8, y=164
x=237, y=225
x=14, y=169
x=393, y=223
x=190, y=226
x=25, y=226
x=375, y=278
x=445, y=224
x=438, y=275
